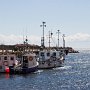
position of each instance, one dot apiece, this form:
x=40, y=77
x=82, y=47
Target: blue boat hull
x=23, y=70
x=28, y=70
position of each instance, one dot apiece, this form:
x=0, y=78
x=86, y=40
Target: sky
x=21, y=18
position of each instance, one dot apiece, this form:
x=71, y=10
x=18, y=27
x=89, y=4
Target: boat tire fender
x=30, y=58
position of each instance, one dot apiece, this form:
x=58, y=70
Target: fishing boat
x=51, y=59
x=28, y=64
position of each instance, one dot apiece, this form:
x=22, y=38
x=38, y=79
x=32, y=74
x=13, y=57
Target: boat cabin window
x=60, y=53
x=5, y=58
x=12, y=58
x=61, y=50
x=48, y=54
x=54, y=54
x=42, y=54
x=25, y=59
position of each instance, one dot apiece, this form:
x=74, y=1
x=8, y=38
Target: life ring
x=54, y=58
x=30, y=58
x=43, y=62
x=5, y=63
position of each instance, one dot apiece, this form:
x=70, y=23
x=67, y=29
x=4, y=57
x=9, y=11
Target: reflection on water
x=74, y=75
x=7, y=76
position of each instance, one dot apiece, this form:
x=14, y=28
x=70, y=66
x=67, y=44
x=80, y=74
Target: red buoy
x=7, y=70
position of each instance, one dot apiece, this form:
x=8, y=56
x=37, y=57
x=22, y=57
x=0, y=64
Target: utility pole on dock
x=58, y=32
x=42, y=39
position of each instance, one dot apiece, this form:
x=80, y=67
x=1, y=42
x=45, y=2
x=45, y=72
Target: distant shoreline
x=29, y=47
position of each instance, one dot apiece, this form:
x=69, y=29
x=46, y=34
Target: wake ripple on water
x=62, y=68
x=39, y=71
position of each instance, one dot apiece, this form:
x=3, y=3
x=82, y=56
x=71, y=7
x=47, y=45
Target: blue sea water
x=74, y=75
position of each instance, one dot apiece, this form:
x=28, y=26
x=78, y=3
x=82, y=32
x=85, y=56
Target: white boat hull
x=50, y=64
x=50, y=59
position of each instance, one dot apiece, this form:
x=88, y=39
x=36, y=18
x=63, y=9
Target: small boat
x=28, y=64
x=51, y=59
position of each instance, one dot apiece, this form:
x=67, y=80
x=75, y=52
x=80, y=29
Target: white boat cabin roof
x=29, y=54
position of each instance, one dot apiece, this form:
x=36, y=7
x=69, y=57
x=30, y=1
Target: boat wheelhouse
x=28, y=64
x=50, y=59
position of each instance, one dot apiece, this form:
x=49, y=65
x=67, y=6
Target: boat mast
x=25, y=44
x=50, y=36
x=42, y=39
x=49, y=40
x=58, y=32
x=63, y=41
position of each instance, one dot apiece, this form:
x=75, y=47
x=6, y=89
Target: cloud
x=32, y=39
x=78, y=37
x=13, y=39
